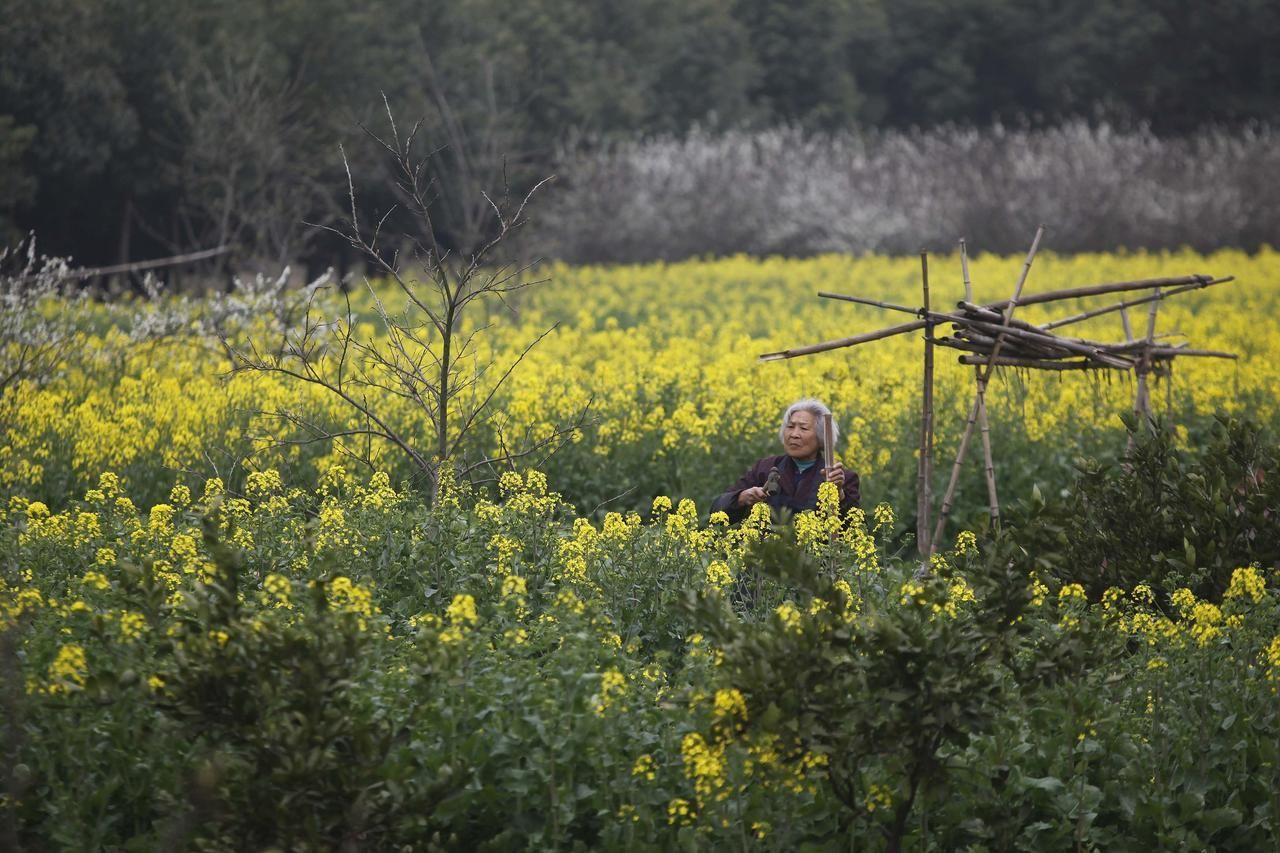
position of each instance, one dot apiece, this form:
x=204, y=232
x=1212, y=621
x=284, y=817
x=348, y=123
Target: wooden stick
x=828, y=443
x=950, y=494
x=1098, y=289
x=993, y=500
x=964, y=271
x=863, y=300
x=829, y=462
x=984, y=343
x=1092, y=349
x=974, y=313
x=1144, y=344
x=1192, y=282
x=844, y=342
x=1171, y=352
x=1128, y=336
x=1034, y=363
x=981, y=345
x=962, y=344
x=1142, y=398
x=989, y=316
x=1120, y=306
x=924, y=475
x=982, y=375
x=139, y=266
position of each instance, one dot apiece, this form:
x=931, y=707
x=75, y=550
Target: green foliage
x=354, y=669
x=284, y=750
x=881, y=694
x=1167, y=515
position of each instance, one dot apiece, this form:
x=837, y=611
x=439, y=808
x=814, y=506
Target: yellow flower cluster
x=613, y=684
x=731, y=706
x=680, y=812
x=1247, y=584
x=1071, y=600
x=704, y=765
x=789, y=617
x=878, y=797
x=645, y=767
x=68, y=670
x=1272, y=658
x=348, y=597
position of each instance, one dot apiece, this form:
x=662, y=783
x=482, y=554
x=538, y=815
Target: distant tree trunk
x=124, y=249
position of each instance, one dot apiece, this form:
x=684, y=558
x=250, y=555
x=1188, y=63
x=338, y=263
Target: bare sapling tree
x=422, y=370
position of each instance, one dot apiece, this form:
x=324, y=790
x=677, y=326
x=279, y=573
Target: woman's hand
x=835, y=474
x=750, y=496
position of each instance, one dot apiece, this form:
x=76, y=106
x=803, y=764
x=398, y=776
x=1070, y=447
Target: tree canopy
x=130, y=128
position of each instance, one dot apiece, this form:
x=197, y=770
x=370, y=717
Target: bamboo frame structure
x=994, y=338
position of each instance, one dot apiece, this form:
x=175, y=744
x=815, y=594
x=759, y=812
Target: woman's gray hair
x=818, y=409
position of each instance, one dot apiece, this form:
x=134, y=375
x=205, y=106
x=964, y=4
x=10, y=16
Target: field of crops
x=218, y=634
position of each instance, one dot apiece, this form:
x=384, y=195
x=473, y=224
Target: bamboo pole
x=1017, y=346
x=844, y=342
x=1142, y=397
x=828, y=443
x=973, y=314
x=1121, y=306
x=1019, y=329
x=924, y=476
x=1128, y=336
x=1170, y=352
x=1033, y=363
x=982, y=410
x=983, y=373
x=993, y=500
x=962, y=344
x=1099, y=289
x=1011, y=328
x=829, y=462
x=1142, y=345
x=1192, y=282
x=987, y=315
x=1091, y=349
x=875, y=303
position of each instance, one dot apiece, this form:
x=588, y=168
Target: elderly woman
x=790, y=480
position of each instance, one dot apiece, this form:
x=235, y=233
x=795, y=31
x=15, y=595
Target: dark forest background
x=139, y=128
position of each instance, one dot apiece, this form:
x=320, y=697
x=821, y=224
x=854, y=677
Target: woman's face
x=800, y=436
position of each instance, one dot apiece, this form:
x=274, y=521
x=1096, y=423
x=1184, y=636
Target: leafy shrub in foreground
x=353, y=669
x=1166, y=515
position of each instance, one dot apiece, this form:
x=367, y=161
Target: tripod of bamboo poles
x=995, y=338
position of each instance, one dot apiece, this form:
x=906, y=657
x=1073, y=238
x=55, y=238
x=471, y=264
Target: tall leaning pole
x=924, y=476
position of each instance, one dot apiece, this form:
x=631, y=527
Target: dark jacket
x=797, y=492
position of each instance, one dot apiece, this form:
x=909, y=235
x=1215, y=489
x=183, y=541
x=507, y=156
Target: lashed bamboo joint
x=993, y=338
